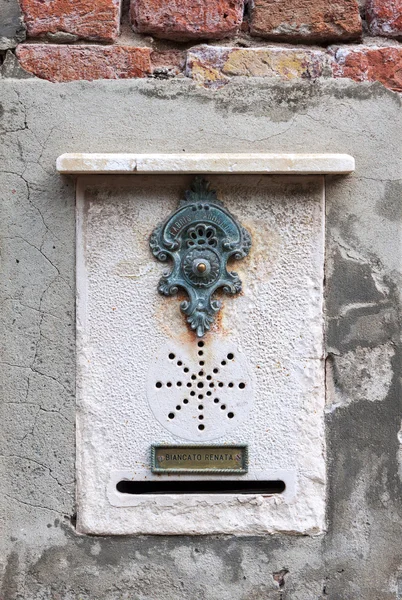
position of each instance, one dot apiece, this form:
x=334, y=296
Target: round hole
x=171, y=415
x=200, y=384
x=220, y=384
x=158, y=384
x=201, y=363
x=186, y=369
x=230, y=415
x=201, y=427
x=189, y=384
x=230, y=356
x=201, y=373
x=200, y=397
x=179, y=384
x=178, y=407
x=215, y=371
x=200, y=353
x=200, y=407
x=169, y=384
x=209, y=393
x=216, y=400
x=242, y=385
x=179, y=363
x=211, y=384
x=200, y=417
x=201, y=344
x=223, y=406
x=209, y=377
x=223, y=362
x=231, y=384
x=192, y=393
x=193, y=377
x=185, y=401
x=172, y=356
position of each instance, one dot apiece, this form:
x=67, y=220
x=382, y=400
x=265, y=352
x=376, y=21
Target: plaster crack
x=378, y=179
x=23, y=109
x=44, y=144
x=46, y=467
x=47, y=229
x=337, y=128
x=8, y=364
x=55, y=412
x=38, y=250
x=17, y=129
x=31, y=504
x=48, y=377
x=46, y=313
x=33, y=425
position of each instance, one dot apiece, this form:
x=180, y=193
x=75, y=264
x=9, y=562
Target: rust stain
x=171, y=320
x=173, y=323
x=260, y=263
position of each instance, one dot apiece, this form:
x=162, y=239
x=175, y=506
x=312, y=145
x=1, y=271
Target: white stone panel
x=81, y=163
x=126, y=331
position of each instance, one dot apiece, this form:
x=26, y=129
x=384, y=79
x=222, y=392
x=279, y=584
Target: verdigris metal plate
x=198, y=459
x=199, y=238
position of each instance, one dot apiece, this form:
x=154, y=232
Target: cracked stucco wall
x=360, y=557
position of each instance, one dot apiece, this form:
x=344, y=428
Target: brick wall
x=210, y=41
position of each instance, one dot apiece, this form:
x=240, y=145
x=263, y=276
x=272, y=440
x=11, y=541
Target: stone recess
x=69, y=63
x=384, y=17
x=12, y=30
x=187, y=19
x=370, y=64
x=308, y=21
x=88, y=19
x=213, y=66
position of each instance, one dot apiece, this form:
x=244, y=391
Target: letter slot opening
x=201, y=487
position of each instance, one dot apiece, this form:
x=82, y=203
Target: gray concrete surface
x=360, y=557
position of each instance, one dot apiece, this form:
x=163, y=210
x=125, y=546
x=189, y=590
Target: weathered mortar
x=360, y=557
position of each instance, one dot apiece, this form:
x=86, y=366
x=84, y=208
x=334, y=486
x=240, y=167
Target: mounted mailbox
x=200, y=383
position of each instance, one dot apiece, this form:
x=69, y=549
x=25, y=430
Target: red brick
x=384, y=17
x=213, y=66
x=187, y=19
x=88, y=19
x=168, y=62
x=318, y=21
x=69, y=63
x=370, y=64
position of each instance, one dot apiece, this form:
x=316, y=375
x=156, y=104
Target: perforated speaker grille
x=200, y=391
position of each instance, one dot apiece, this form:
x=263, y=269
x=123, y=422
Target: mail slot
x=200, y=354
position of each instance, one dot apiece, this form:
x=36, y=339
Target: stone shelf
x=256, y=163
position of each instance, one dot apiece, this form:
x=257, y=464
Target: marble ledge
x=162, y=164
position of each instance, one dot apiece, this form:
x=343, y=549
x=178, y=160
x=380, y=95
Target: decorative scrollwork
x=200, y=237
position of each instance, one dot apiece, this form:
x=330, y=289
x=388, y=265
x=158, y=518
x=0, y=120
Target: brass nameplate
x=199, y=459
